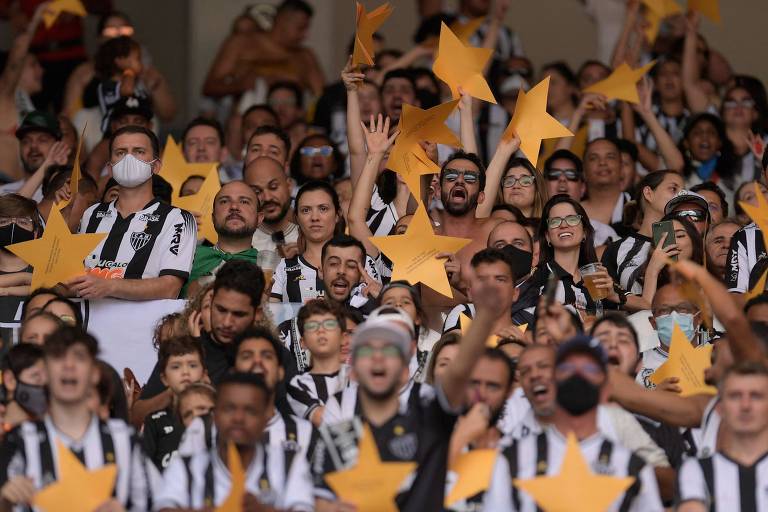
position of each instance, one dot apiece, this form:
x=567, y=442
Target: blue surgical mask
x=665, y=324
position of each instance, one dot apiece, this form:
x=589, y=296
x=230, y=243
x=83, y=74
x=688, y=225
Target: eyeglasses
x=730, y=104
x=451, y=175
x=387, y=351
x=685, y=308
x=524, y=181
x=327, y=325
x=22, y=222
x=312, y=151
x=584, y=368
x=570, y=174
x=570, y=220
x=112, y=32
x=692, y=215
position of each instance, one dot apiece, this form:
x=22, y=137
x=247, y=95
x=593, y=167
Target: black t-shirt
x=162, y=435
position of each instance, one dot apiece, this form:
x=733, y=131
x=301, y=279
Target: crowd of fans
x=294, y=340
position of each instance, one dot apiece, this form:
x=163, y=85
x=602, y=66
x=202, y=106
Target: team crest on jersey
x=404, y=447
x=139, y=239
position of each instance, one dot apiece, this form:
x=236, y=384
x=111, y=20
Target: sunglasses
x=470, y=177
x=524, y=181
x=692, y=215
x=387, y=351
x=312, y=151
x=570, y=174
x=730, y=104
x=570, y=220
x=112, y=32
x=328, y=325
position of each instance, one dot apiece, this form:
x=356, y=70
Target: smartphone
x=659, y=228
x=550, y=289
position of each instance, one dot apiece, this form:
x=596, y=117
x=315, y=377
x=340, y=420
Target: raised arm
x=588, y=101
x=620, y=51
x=695, y=95
x=493, y=174
x=222, y=78
x=352, y=79
x=57, y=155
x=673, y=159
x=467, y=123
x=378, y=140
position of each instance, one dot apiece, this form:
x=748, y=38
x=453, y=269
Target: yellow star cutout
x=465, y=31
x=465, y=322
x=58, y=6
x=532, y=123
x=575, y=487
x=474, y=470
x=367, y=24
x=176, y=170
x=234, y=501
x=202, y=203
x=656, y=11
x=76, y=176
x=371, y=485
x=709, y=8
x=622, y=83
x=413, y=253
x=462, y=66
x=76, y=486
x=687, y=364
x=407, y=157
x=58, y=255
x=759, y=213
x=758, y=289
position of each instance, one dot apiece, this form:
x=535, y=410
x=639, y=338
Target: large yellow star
x=656, y=11
x=234, y=501
x=407, y=157
x=367, y=24
x=474, y=470
x=465, y=31
x=58, y=6
x=709, y=8
x=462, y=66
x=202, y=203
x=413, y=254
x=576, y=487
x=687, y=364
x=759, y=213
x=58, y=255
x=176, y=170
x=532, y=123
x=76, y=488
x=622, y=83
x=371, y=485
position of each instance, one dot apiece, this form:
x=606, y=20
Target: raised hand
x=351, y=77
x=377, y=138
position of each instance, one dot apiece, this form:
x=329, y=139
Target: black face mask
x=521, y=260
x=31, y=398
x=577, y=395
x=13, y=234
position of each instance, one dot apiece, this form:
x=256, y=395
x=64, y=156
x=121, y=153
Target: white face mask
x=130, y=172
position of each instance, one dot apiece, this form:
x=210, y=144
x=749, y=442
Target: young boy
x=181, y=363
x=24, y=381
x=321, y=326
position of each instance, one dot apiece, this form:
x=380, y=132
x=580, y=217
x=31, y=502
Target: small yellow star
x=202, y=203
x=622, y=83
x=462, y=66
x=58, y=6
x=687, y=364
x=367, y=24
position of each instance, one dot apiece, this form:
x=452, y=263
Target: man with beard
x=605, y=197
x=462, y=180
x=235, y=218
x=272, y=186
x=580, y=382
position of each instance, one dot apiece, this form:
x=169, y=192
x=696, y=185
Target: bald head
x=236, y=188
x=510, y=233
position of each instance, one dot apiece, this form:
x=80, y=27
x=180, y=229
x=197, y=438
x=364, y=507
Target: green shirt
x=208, y=259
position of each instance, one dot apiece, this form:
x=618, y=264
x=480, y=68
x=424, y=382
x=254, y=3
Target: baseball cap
x=382, y=329
x=393, y=314
x=582, y=345
x=132, y=105
x=686, y=196
x=39, y=121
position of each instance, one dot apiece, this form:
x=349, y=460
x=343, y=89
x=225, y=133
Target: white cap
x=391, y=313
x=383, y=329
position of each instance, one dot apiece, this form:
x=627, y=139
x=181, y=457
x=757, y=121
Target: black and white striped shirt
x=278, y=477
x=625, y=260
x=158, y=240
x=308, y=391
x=542, y=454
x=747, y=248
x=31, y=450
x=673, y=125
x=381, y=217
x=723, y=484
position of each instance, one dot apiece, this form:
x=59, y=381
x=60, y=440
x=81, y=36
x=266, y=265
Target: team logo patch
x=139, y=239
x=404, y=446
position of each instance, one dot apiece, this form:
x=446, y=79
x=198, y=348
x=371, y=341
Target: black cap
x=582, y=345
x=39, y=121
x=132, y=105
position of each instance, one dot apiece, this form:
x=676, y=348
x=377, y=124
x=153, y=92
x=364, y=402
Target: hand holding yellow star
x=58, y=6
x=414, y=254
x=367, y=24
x=474, y=470
x=622, y=83
x=201, y=204
x=532, y=123
x=687, y=364
x=462, y=66
x=76, y=488
x=176, y=170
x=58, y=255
x=575, y=485
x=370, y=485
x=234, y=501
